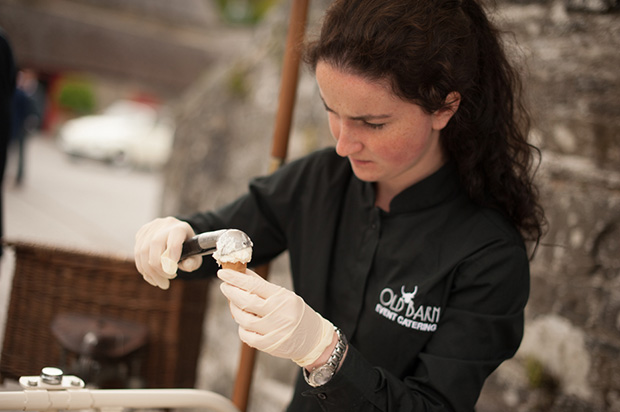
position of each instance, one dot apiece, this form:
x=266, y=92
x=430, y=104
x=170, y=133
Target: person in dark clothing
x=7, y=89
x=25, y=120
x=408, y=239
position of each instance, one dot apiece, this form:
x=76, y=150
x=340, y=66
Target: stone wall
x=569, y=357
x=569, y=50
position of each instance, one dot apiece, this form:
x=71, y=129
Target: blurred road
x=77, y=203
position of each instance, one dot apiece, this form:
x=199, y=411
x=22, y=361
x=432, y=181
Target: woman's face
x=389, y=141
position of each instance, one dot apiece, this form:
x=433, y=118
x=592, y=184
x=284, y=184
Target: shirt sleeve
x=265, y=213
x=481, y=327
x=243, y=214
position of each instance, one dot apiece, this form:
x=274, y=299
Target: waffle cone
x=238, y=266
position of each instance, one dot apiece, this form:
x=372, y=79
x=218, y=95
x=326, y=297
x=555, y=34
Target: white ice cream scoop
x=223, y=242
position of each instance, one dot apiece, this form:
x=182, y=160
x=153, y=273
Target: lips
x=359, y=162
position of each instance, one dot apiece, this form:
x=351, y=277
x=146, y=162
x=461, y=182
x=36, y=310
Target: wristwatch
x=320, y=375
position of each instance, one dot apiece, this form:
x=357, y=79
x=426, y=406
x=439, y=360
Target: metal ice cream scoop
x=231, y=240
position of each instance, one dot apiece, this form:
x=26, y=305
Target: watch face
x=322, y=375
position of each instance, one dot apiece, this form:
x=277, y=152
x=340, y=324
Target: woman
x=408, y=236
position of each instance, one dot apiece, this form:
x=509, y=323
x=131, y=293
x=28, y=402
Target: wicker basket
x=49, y=280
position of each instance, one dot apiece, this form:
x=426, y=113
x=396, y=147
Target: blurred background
x=142, y=108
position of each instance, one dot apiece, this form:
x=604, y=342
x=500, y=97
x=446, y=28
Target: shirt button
x=321, y=396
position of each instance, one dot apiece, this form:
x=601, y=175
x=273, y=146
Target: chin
x=366, y=177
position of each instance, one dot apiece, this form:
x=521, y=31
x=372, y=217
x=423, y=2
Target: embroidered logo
x=401, y=308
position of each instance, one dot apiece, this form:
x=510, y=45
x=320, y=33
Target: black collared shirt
x=430, y=295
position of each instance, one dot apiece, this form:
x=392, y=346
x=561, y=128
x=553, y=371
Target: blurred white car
x=126, y=133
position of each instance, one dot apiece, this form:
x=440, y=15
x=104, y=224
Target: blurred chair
x=175, y=315
x=51, y=281
x=106, y=352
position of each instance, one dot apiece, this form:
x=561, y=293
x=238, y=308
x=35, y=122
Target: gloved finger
x=155, y=251
x=249, y=281
x=170, y=258
x=191, y=263
x=251, y=338
x=153, y=239
x=249, y=333
x=263, y=342
x=284, y=302
x=148, y=259
x=148, y=243
x=243, y=318
x=141, y=256
x=168, y=265
x=278, y=317
x=156, y=280
x=244, y=299
x=257, y=339
x=174, y=242
x=149, y=280
x=162, y=282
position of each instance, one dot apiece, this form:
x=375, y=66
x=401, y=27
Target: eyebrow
x=362, y=117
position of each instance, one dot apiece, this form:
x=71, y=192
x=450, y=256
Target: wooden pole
x=288, y=86
x=284, y=118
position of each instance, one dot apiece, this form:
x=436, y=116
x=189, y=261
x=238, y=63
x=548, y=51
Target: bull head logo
x=407, y=297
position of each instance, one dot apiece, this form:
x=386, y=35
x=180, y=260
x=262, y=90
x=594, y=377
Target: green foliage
x=238, y=82
x=537, y=375
x=77, y=95
x=244, y=11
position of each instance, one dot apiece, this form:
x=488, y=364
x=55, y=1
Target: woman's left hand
x=275, y=320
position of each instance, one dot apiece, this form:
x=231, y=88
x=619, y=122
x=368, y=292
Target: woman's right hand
x=158, y=249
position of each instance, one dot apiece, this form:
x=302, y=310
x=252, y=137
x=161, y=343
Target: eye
x=327, y=109
x=374, y=126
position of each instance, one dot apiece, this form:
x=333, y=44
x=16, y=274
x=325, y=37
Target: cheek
x=399, y=149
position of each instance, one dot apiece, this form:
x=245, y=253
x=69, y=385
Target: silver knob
x=51, y=376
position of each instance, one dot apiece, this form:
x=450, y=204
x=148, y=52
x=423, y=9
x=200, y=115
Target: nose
x=346, y=141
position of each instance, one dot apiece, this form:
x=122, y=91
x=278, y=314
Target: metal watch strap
x=332, y=363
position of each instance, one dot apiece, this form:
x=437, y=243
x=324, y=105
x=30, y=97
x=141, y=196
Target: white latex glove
x=158, y=249
x=275, y=320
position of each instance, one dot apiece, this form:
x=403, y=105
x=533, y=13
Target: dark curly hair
x=428, y=49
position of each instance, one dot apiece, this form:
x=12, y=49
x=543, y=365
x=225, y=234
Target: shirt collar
x=433, y=190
